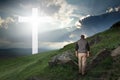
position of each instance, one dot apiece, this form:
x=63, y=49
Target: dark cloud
x=94, y=7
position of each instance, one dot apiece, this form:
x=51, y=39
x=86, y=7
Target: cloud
x=85, y=35
x=83, y=17
x=20, y=45
x=59, y=10
x=28, y=6
x=48, y=45
x=4, y=43
x=7, y=43
x=78, y=25
x=54, y=45
x=72, y=36
x=5, y=22
x=110, y=10
x=115, y=9
x=64, y=13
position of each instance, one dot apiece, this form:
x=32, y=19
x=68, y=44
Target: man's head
x=82, y=37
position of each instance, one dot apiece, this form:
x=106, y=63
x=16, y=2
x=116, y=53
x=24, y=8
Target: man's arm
x=76, y=49
x=88, y=50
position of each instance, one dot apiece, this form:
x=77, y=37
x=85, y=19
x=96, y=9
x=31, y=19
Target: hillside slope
x=25, y=68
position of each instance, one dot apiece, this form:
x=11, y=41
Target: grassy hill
x=23, y=68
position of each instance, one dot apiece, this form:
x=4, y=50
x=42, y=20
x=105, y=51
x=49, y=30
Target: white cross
x=34, y=19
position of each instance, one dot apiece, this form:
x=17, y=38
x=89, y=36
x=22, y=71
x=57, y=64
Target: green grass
x=22, y=68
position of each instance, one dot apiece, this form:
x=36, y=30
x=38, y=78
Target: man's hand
x=88, y=54
x=76, y=53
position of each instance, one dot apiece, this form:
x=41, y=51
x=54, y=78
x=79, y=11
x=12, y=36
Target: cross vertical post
x=35, y=31
x=34, y=20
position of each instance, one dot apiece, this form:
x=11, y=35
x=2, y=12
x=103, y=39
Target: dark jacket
x=82, y=46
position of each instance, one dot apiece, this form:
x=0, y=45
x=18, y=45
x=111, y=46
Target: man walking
x=82, y=50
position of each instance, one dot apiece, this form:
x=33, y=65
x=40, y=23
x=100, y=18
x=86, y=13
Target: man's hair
x=82, y=36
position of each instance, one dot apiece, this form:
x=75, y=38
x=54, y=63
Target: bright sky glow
x=35, y=20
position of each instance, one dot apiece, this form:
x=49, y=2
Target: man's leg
x=79, y=62
x=83, y=63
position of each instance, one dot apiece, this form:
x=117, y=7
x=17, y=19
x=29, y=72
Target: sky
x=62, y=14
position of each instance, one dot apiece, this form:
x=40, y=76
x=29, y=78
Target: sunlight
x=40, y=19
x=35, y=20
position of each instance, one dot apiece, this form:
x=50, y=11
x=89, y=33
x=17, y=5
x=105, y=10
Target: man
x=82, y=50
